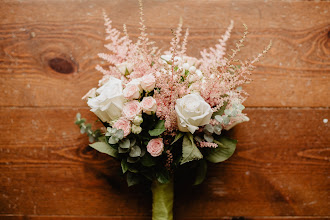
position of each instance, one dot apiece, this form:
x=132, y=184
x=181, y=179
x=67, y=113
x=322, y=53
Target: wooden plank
x=280, y=168
x=51, y=217
x=34, y=50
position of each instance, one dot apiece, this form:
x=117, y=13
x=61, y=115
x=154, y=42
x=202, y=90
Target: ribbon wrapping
x=162, y=200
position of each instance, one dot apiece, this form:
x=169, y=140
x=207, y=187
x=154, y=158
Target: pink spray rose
x=148, y=82
x=148, y=105
x=132, y=91
x=124, y=125
x=155, y=147
x=132, y=109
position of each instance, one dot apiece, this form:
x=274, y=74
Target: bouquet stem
x=162, y=200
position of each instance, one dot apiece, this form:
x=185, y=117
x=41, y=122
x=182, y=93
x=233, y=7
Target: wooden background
x=48, y=52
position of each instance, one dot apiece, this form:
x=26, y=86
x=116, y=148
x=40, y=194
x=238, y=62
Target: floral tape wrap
x=162, y=200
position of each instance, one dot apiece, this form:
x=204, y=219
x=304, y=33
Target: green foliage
x=177, y=137
x=104, y=148
x=200, y=172
x=163, y=175
x=87, y=128
x=221, y=111
x=132, y=179
x=124, y=166
x=189, y=150
x=159, y=128
x=148, y=161
x=225, y=150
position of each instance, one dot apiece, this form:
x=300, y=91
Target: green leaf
x=225, y=149
x=104, y=148
x=221, y=110
x=147, y=160
x=132, y=179
x=159, y=129
x=189, y=150
x=177, y=137
x=201, y=172
x=124, y=165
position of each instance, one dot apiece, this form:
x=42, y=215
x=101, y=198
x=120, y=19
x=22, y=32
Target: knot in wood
x=61, y=65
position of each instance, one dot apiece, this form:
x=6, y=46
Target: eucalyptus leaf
x=225, y=150
x=143, y=151
x=122, y=150
x=125, y=143
x=208, y=129
x=119, y=134
x=159, y=128
x=104, y=148
x=135, y=151
x=113, y=140
x=200, y=172
x=208, y=137
x=189, y=150
x=177, y=137
x=133, y=159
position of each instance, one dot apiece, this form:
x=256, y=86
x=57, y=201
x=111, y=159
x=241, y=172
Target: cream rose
x=155, y=147
x=148, y=82
x=124, y=125
x=148, y=105
x=192, y=111
x=108, y=104
x=132, y=109
x=125, y=68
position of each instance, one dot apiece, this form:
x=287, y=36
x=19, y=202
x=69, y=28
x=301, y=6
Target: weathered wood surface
x=47, y=57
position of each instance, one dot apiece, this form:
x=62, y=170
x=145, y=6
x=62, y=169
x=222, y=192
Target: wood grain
x=295, y=72
x=48, y=51
x=50, y=169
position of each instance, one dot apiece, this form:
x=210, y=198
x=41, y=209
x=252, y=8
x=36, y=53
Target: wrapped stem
x=162, y=200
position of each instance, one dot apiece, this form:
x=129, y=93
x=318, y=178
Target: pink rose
x=148, y=82
x=124, y=125
x=132, y=109
x=132, y=91
x=155, y=147
x=148, y=105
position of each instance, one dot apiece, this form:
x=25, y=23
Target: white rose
x=109, y=103
x=125, y=68
x=192, y=111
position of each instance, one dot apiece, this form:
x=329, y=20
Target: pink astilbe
x=140, y=54
x=215, y=55
x=172, y=86
x=207, y=144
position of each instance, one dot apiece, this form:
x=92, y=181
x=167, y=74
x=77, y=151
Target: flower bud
x=136, y=129
x=137, y=120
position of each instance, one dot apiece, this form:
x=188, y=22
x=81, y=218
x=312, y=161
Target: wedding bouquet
x=165, y=110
